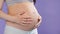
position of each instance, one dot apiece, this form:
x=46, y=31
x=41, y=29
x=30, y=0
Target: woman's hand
x=26, y=21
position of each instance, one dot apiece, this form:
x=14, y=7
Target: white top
x=11, y=2
x=12, y=30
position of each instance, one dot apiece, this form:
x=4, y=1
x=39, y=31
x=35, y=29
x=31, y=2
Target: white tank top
x=11, y=2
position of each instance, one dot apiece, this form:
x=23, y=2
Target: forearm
x=8, y=17
x=1, y=4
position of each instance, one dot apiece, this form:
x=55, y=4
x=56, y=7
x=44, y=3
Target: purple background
x=50, y=12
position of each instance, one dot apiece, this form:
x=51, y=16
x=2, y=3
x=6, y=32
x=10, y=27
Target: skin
x=21, y=16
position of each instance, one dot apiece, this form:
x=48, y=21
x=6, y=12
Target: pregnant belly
x=18, y=10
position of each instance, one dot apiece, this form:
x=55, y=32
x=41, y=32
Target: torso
x=17, y=9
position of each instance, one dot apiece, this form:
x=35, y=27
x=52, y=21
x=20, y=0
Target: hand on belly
x=27, y=20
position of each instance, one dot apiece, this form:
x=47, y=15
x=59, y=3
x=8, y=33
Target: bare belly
x=17, y=10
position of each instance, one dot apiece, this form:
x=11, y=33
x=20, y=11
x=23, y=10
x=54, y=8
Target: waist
x=25, y=28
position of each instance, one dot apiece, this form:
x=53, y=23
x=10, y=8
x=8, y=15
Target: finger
x=25, y=24
x=27, y=20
